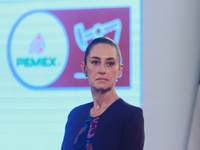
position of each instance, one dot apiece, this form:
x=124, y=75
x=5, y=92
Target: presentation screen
x=42, y=45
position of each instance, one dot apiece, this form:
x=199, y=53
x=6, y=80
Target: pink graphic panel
x=82, y=26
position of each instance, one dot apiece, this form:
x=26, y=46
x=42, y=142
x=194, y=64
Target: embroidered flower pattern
x=86, y=134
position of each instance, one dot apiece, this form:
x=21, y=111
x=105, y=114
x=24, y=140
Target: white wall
x=171, y=63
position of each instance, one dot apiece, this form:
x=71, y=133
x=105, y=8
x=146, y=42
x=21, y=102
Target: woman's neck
x=102, y=101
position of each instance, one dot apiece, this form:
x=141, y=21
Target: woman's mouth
x=102, y=79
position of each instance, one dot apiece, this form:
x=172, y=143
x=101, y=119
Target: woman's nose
x=102, y=69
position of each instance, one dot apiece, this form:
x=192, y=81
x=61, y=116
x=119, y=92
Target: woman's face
x=102, y=67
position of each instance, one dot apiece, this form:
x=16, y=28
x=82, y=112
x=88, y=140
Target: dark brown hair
x=105, y=40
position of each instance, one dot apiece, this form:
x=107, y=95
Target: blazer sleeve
x=133, y=136
x=65, y=139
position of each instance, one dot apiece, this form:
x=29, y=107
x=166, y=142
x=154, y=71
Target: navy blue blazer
x=120, y=127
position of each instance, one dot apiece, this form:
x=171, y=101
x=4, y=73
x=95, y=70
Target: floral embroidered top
x=84, y=139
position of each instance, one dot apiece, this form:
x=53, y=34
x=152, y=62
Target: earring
x=116, y=80
x=86, y=76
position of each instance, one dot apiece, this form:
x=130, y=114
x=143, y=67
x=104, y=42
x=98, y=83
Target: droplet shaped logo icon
x=37, y=45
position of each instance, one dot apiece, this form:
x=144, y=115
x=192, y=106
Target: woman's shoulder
x=126, y=109
x=81, y=109
x=126, y=106
x=129, y=114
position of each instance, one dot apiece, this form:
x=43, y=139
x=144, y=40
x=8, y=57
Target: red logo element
x=37, y=45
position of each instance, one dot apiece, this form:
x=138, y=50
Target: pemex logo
x=36, y=57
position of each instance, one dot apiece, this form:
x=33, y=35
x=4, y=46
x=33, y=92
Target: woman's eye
x=110, y=63
x=95, y=62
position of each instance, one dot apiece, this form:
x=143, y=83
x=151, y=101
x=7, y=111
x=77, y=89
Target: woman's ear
x=84, y=68
x=120, y=70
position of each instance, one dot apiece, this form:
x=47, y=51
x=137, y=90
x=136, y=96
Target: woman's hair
x=104, y=40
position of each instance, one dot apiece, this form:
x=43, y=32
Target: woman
x=107, y=123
